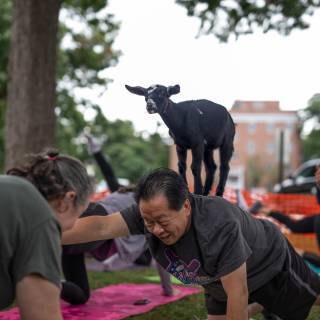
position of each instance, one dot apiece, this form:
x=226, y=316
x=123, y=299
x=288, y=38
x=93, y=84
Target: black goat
x=199, y=125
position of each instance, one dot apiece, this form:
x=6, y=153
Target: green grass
x=189, y=308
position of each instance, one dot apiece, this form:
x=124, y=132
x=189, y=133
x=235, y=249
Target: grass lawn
x=189, y=308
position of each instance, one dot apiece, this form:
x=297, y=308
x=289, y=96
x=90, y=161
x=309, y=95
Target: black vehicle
x=301, y=180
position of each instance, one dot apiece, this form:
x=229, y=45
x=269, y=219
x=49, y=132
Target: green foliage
x=87, y=52
x=238, y=17
x=70, y=125
x=86, y=36
x=131, y=154
x=311, y=116
x=80, y=63
x=313, y=110
x=311, y=145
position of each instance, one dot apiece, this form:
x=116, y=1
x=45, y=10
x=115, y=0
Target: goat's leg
x=226, y=152
x=182, y=162
x=211, y=167
x=197, y=156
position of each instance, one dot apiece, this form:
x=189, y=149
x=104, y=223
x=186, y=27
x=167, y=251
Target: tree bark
x=30, y=117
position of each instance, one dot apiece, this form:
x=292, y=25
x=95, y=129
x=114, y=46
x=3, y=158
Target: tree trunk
x=30, y=118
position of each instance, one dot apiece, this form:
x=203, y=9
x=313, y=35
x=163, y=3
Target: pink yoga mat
x=114, y=302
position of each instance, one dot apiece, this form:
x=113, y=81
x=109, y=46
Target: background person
x=309, y=224
x=317, y=176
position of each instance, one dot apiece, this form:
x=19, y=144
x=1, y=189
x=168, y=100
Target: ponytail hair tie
x=52, y=155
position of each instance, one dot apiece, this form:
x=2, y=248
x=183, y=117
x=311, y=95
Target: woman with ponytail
x=39, y=200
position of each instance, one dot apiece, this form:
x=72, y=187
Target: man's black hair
x=166, y=182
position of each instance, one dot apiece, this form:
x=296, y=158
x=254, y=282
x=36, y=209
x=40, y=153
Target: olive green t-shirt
x=29, y=237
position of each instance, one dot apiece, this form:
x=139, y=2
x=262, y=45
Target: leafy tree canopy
x=236, y=17
x=310, y=116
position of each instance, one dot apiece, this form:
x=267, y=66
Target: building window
x=258, y=105
x=290, y=127
x=270, y=127
x=252, y=128
x=251, y=148
x=270, y=148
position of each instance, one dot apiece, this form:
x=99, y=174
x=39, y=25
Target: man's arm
x=235, y=285
x=95, y=228
x=38, y=299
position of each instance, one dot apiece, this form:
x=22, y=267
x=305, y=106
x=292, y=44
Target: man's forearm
x=95, y=228
x=85, y=230
x=237, y=307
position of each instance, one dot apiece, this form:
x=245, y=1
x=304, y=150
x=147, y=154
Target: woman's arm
x=95, y=228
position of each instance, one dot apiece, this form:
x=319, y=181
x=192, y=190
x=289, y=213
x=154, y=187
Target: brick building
x=256, y=157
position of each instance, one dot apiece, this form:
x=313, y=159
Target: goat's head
x=156, y=96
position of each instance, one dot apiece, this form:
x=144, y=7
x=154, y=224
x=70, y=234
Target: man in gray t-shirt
x=243, y=263
x=221, y=237
x=29, y=242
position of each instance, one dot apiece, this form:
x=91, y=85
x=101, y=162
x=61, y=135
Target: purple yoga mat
x=115, y=302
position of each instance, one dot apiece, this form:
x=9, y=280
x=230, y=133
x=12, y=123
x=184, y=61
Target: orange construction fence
x=99, y=195
x=295, y=205
x=302, y=204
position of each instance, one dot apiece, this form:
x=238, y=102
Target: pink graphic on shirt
x=186, y=273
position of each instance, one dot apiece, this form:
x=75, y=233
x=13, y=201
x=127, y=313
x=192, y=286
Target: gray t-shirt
x=29, y=237
x=220, y=239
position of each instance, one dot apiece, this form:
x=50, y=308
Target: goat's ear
x=137, y=90
x=173, y=90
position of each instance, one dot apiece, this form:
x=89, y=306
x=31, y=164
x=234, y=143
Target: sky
x=159, y=46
